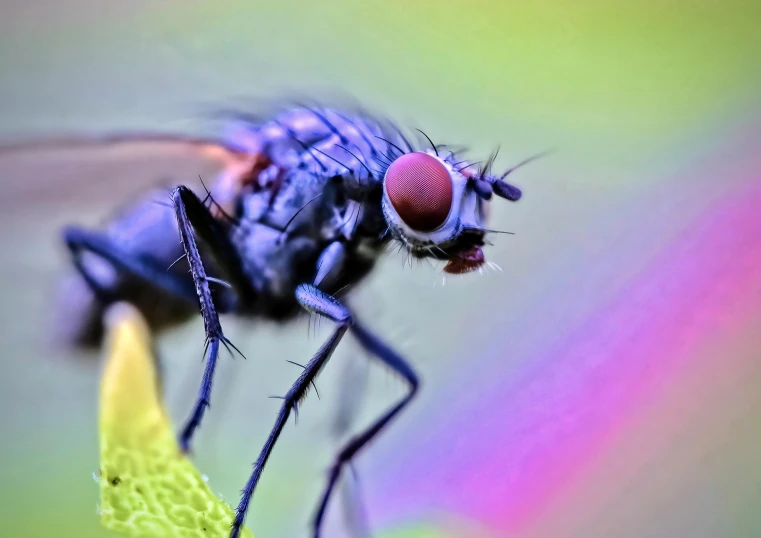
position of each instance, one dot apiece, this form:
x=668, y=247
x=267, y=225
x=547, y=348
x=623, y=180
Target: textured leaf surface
x=148, y=488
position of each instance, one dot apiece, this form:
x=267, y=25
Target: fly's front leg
x=317, y=302
x=193, y=216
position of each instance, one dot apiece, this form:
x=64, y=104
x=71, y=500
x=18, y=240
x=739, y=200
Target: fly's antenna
x=505, y=190
x=481, y=185
x=524, y=162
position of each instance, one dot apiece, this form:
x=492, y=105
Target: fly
x=305, y=205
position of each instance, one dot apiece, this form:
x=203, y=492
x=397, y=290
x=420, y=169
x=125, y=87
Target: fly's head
x=437, y=208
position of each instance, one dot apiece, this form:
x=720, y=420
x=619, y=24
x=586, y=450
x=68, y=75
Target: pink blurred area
x=641, y=418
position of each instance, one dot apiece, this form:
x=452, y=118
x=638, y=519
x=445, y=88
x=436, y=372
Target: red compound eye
x=420, y=189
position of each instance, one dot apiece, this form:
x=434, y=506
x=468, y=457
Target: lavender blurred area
x=606, y=383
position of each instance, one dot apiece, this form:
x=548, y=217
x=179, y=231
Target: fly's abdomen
x=145, y=230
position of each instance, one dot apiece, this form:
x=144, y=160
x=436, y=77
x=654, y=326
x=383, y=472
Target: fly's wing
x=79, y=181
x=97, y=174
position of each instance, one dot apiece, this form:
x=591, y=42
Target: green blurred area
x=621, y=88
x=644, y=71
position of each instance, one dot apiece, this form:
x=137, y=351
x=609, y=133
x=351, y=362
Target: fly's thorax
x=280, y=234
x=274, y=265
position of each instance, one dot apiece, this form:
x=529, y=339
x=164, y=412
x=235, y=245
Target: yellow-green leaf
x=148, y=488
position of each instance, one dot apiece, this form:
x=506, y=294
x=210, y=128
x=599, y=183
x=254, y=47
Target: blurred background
x=606, y=383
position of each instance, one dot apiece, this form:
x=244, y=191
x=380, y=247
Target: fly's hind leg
x=352, y=389
x=329, y=267
x=387, y=356
x=194, y=218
